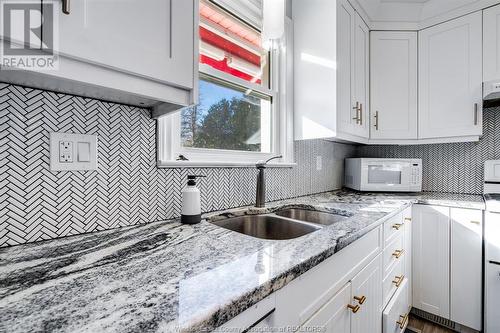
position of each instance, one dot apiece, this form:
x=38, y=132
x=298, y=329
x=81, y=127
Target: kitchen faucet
x=260, y=200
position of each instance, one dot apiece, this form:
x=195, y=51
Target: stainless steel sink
x=311, y=216
x=268, y=226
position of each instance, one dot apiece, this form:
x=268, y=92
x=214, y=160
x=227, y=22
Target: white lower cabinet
x=466, y=267
x=447, y=263
x=395, y=315
x=367, y=294
x=334, y=316
x=431, y=259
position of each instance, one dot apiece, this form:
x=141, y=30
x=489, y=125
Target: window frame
x=169, y=145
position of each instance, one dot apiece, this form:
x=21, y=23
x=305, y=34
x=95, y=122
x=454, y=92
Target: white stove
x=492, y=245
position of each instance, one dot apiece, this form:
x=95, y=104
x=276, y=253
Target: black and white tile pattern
x=451, y=167
x=37, y=204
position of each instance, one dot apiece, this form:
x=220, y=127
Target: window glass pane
x=231, y=46
x=227, y=117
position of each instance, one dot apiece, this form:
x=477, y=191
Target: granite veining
x=165, y=276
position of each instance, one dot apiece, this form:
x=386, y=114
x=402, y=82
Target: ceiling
x=417, y=11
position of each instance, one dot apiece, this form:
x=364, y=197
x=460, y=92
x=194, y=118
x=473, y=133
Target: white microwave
x=383, y=174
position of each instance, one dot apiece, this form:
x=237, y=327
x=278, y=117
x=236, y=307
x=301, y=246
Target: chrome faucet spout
x=260, y=197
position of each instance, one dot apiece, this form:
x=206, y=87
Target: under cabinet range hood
x=491, y=94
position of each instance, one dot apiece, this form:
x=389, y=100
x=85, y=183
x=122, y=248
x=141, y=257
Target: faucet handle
x=262, y=164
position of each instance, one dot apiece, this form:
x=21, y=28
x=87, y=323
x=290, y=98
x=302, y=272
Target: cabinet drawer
x=395, y=315
x=392, y=228
x=393, y=281
x=393, y=253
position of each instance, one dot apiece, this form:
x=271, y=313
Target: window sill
x=207, y=164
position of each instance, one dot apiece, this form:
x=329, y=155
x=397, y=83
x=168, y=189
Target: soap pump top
x=191, y=207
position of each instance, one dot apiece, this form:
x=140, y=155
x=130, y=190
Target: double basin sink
x=283, y=224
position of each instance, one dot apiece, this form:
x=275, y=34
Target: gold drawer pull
x=475, y=222
x=398, y=253
x=397, y=226
x=354, y=308
x=361, y=299
x=408, y=219
x=403, y=319
x=398, y=280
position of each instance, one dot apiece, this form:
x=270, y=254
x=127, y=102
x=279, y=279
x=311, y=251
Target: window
x=239, y=118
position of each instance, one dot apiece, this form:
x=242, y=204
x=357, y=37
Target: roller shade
x=248, y=10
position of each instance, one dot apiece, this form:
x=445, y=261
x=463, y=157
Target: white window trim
x=281, y=77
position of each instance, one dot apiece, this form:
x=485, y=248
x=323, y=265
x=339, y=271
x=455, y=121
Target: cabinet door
x=346, y=111
x=368, y=284
x=393, y=85
x=334, y=316
x=361, y=74
x=466, y=266
x=491, y=43
x=407, y=243
x=431, y=263
x=450, y=78
x=153, y=40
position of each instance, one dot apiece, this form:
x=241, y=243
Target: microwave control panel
x=415, y=174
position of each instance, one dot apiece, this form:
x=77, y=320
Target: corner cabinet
x=491, y=43
x=118, y=55
x=331, y=70
x=450, y=78
x=393, y=80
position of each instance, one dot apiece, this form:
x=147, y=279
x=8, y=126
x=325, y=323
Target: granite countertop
x=165, y=276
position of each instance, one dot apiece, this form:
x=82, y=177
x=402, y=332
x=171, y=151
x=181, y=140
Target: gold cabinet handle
x=475, y=222
x=357, y=112
x=398, y=280
x=376, y=120
x=354, y=308
x=398, y=253
x=397, y=226
x=408, y=219
x=403, y=319
x=361, y=299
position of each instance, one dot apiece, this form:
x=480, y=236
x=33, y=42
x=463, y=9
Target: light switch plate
x=73, y=152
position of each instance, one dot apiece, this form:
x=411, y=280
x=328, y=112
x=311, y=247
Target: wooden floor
x=423, y=326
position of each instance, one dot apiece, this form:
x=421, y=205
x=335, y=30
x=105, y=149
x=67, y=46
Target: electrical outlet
x=65, y=151
x=73, y=152
x=319, y=163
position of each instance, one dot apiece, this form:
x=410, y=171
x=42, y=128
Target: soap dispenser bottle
x=191, y=208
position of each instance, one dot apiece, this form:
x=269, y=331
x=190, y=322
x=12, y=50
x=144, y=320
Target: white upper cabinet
x=133, y=53
x=361, y=94
x=353, y=71
x=450, y=78
x=346, y=112
x=491, y=44
x=153, y=40
x=315, y=72
x=331, y=59
x=393, y=85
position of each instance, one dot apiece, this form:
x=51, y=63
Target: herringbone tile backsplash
x=37, y=204
x=450, y=167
